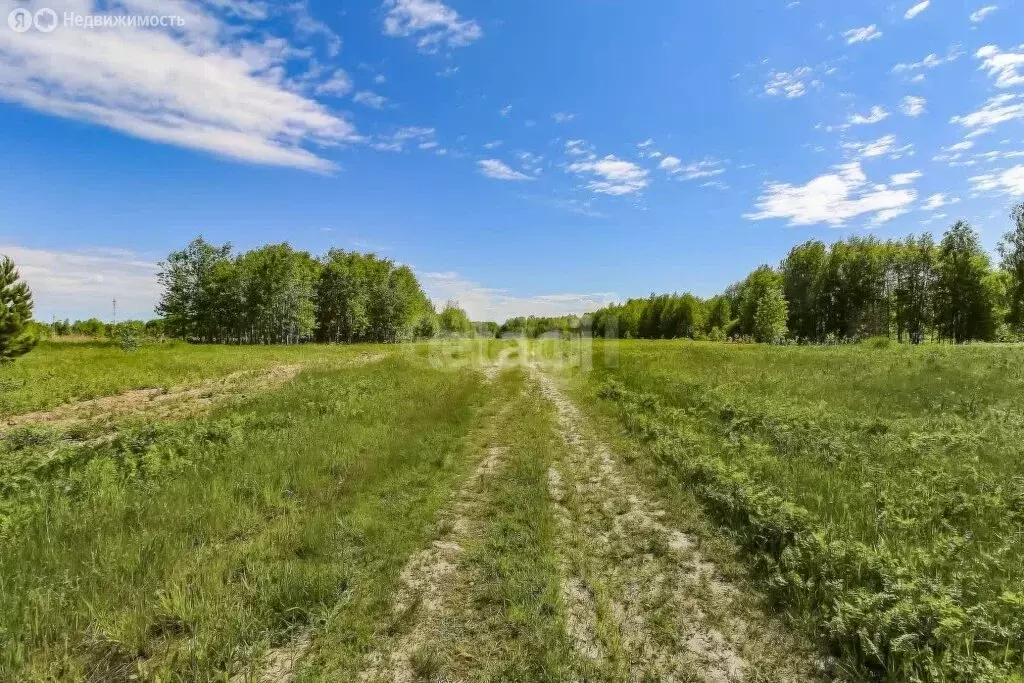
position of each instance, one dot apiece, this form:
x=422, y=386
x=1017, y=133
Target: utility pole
x=115, y=311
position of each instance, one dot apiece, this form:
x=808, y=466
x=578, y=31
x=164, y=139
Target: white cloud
x=670, y=164
x=1009, y=182
x=612, y=175
x=579, y=148
x=531, y=162
x=1002, y=66
x=83, y=283
x=832, y=198
x=862, y=34
x=370, y=99
x=499, y=170
x=705, y=168
x=448, y=71
x=339, y=84
x=790, y=84
x=905, y=178
x=875, y=148
x=937, y=201
x=397, y=141
x=432, y=23
x=916, y=9
x=978, y=16
x=962, y=146
x=506, y=110
x=485, y=303
x=929, y=62
x=996, y=110
x=874, y=116
x=647, y=150
x=493, y=144
x=913, y=106
x=143, y=82
x=562, y=117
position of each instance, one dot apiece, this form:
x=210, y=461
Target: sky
x=522, y=157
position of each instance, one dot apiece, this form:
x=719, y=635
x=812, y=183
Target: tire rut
x=655, y=585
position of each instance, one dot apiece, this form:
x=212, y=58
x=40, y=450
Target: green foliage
x=453, y=321
x=127, y=338
x=852, y=289
x=275, y=294
x=486, y=329
x=533, y=327
x=770, y=314
x=964, y=302
x=1011, y=249
x=16, y=333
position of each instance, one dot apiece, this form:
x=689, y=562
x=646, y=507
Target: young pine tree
x=16, y=337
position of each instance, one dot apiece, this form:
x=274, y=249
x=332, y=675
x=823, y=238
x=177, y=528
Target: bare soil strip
x=158, y=402
x=625, y=566
x=173, y=402
x=431, y=581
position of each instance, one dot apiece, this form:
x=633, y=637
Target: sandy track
x=654, y=583
x=158, y=402
x=174, y=402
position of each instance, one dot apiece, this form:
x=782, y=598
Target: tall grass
x=879, y=492
x=181, y=551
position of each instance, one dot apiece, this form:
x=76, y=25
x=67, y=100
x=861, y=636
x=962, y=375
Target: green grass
x=58, y=372
x=182, y=551
x=879, y=493
x=502, y=617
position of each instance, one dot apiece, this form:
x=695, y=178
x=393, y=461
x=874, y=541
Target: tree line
x=912, y=289
x=277, y=295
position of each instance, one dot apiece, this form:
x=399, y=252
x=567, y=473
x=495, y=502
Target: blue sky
x=534, y=156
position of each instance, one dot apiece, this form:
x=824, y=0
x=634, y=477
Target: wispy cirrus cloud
x=790, y=84
x=370, y=99
x=905, y=178
x=499, y=170
x=913, y=106
x=432, y=23
x=141, y=81
x=1002, y=66
x=917, y=9
x=876, y=148
x=978, y=15
x=863, y=34
x=708, y=167
x=930, y=61
x=996, y=110
x=875, y=115
x=1008, y=181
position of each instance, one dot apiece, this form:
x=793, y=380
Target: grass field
x=878, y=493
x=487, y=511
